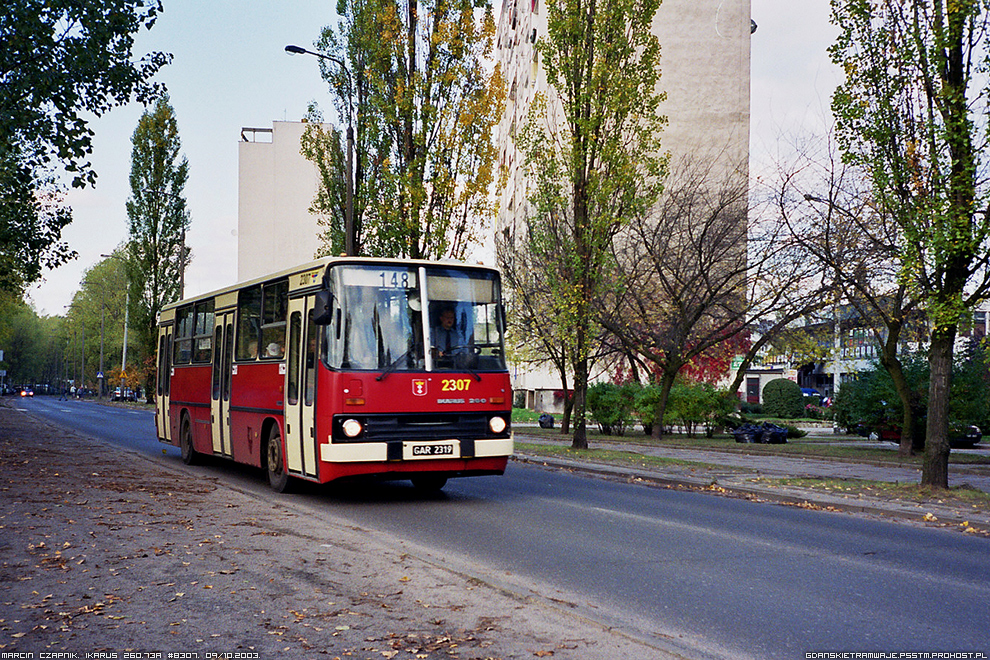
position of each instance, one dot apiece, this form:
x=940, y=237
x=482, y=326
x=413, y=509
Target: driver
x=446, y=336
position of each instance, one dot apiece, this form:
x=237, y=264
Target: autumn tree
x=829, y=208
x=593, y=158
x=412, y=78
x=911, y=114
x=693, y=277
x=534, y=334
x=157, y=220
x=62, y=63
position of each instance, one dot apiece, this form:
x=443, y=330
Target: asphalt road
x=692, y=573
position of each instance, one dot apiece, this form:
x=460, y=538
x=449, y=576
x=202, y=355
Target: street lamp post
x=350, y=237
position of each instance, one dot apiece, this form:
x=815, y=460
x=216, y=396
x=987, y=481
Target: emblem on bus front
x=419, y=386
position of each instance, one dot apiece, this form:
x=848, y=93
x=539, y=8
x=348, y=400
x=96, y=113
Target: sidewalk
x=748, y=475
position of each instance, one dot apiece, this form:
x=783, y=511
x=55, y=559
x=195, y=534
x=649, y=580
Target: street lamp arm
x=350, y=234
x=299, y=50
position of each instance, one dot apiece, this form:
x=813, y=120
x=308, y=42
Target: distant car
x=126, y=395
x=960, y=435
x=965, y=436
x=27, y=391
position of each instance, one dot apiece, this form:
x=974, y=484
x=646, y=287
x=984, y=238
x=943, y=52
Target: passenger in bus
x=274, y=350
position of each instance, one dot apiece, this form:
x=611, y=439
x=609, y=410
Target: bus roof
x=322, y=264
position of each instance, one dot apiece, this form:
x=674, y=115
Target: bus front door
x=300, y=389
x=223, y=350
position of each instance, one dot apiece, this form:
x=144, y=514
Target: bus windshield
x=409, y=318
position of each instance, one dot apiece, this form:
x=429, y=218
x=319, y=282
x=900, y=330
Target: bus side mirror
x=321, y=308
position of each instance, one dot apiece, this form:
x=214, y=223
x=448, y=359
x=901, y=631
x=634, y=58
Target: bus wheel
x=278, y=477
x=429, y=483
x=189, y=454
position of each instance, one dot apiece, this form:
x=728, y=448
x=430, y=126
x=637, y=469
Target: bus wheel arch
x=273, y=457
x=189, y=454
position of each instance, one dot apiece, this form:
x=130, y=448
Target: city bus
x=345, y=367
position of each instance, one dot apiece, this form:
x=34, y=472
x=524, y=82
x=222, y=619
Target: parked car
x=126, y=395
x=960, y=435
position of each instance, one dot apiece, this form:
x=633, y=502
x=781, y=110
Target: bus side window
x=273, y=314
x=295, y=332
x=248, y=323
x=161, y=364
x=203, y=332
x=183, y=334
x=312, y=346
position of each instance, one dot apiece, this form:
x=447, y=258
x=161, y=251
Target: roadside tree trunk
x=935, y=467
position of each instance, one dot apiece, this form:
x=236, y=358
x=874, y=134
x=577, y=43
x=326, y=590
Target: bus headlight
x=497, y=425
x=352, y=428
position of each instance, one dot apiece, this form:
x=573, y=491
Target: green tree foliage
x=61, y=63
x=98, y=313
x=592, y=149
x=31, y=221
x=910, y=114
x=783, y=398
x=157, y=219
x=35, y=348
x=870, y=402
x=424, y=105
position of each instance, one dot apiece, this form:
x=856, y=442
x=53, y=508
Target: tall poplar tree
x=157, y=219
x=912, y=114
x=422, y=104
x=592, y=147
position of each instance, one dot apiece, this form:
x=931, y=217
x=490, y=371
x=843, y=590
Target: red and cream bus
x=343, y=367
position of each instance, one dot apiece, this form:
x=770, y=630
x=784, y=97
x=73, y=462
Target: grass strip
x=616, y=457
x=891, y=491
x=837, y=447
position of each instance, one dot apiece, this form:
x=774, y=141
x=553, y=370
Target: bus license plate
x=433, y=450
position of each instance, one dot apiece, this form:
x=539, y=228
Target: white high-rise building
x=276, y=186
x=705, y=72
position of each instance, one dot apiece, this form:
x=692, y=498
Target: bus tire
x=429, y=483
x=278, y=476
x=189, y=455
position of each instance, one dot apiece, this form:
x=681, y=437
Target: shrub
x=747, y=408
x=783, y=398
x=692, y=404
x=611, y=406
x=689, y=404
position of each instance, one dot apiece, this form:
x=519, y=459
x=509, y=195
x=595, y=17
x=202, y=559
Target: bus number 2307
x=455, y=384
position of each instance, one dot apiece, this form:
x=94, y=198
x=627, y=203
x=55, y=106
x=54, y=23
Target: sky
x=230, y=70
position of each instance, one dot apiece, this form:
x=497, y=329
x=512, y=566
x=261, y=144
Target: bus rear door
x=164, y=380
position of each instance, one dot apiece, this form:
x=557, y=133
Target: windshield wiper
x=392, y=367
